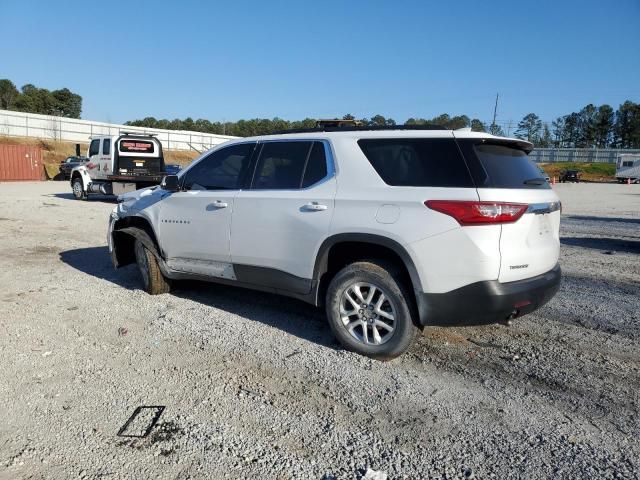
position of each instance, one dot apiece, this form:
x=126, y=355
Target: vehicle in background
x=172, y=169
x=390, y=229
x=628, y=168
x=570, y=176
x=69, y=164
x=119, y=164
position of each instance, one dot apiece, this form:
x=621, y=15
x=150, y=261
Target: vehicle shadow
x=289, y=315
x=605, y=244
x=91, y=198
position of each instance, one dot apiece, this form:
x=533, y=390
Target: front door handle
x=217, y=204
x=314, y=207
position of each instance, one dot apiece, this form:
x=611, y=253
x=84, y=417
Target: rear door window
x=417, y=162
x=502, y=166
x=106, y=146
x=281, y=165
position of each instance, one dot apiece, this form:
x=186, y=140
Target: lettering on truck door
x=105, y=158
x=93, y=165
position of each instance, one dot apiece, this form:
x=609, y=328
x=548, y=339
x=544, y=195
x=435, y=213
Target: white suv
x=389, y=229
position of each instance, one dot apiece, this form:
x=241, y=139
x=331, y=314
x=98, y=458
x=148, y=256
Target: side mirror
x=170, y=183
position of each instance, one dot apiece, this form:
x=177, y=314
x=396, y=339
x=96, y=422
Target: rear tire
x=370, y=309
x=153, y=281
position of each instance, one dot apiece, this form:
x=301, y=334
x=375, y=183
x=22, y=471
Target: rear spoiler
x=485, y=139
x=509, y=142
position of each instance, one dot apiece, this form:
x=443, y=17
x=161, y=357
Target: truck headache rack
x=138, y=134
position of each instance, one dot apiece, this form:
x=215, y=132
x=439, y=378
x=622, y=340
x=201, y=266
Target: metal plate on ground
x=141, y=421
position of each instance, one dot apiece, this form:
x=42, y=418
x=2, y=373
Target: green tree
x=495, y=129
x=603, y=126
x=627, y=125
x=571, y=130
x=529, y=128
x=8, y=94
x=459, y=121
x=546, y=139
x=586, y=126
x=558, y=131
x=378, y=120
x=478, y=126
x=67, y=103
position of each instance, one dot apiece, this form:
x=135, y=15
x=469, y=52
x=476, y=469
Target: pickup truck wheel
x=152, y=278
x=78, y=189
x=369, y=310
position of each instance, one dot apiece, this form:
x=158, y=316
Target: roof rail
x=358, y=129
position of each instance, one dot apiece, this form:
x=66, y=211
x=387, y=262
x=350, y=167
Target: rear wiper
x=535, y=181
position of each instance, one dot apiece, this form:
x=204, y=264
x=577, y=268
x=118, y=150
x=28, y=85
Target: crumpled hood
x=139, y=199
x=136, y=194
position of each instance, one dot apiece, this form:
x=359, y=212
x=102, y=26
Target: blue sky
x=295, y=59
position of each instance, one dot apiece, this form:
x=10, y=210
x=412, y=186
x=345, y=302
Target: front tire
x=78, y=189
x=370, y=309
x=153, y=280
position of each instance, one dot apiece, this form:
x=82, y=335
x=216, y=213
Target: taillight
x=479, y=213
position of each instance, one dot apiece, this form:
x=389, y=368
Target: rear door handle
x=314, y=207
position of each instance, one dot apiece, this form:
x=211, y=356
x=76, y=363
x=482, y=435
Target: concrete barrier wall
x=19, y=124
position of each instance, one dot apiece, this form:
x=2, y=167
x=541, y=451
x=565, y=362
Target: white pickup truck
x=118, y=164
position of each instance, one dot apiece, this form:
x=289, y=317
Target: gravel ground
x=255, y=387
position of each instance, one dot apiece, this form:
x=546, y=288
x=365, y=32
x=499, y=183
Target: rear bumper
x=488, y=302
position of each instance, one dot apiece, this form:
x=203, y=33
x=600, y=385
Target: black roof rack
x=358, y=129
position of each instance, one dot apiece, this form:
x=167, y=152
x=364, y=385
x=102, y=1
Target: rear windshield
x=136, y=146
x=417, y=162
x=502, y=166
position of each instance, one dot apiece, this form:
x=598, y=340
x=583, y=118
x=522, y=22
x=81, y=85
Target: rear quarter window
x=502, y=166
x=417, y=162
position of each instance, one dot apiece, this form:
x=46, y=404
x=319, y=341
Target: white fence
x=19, y=124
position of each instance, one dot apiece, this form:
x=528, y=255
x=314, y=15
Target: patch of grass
x=594, y=172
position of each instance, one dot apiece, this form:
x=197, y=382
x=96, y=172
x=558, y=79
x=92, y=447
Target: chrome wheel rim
x=143, y=263
x=367, y=313
x=77, y=189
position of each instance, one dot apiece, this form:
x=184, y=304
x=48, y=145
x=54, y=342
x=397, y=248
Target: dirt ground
x=254, y=386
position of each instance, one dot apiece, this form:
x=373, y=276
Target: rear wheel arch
x=340, y=250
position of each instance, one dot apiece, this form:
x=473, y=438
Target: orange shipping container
x=19, y=162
